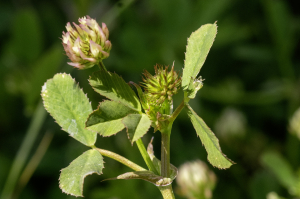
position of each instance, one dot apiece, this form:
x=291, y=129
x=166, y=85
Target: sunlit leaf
x=199, y=44
x=112, y=86
x=107, y=119
x=137, y=125
x=210, y=141
x=69, y=106
x=72, y=177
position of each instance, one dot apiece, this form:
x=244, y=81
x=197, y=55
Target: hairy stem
x=146, y=156
x=167, y=192
x=120, y=159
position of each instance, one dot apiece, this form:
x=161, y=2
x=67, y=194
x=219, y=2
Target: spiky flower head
x=162, y=86
x=86, y=44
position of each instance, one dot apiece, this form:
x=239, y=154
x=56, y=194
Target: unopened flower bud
x=86, y=44
x=163, y=85
x=195, y=180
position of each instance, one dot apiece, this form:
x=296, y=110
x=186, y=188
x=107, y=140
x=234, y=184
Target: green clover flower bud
x=86, y=44
x=162, y=86
x=195, y=180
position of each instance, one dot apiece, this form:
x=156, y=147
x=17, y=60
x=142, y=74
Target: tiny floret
x=86, y=44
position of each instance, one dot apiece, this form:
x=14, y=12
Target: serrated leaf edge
x=77, y=84
x=218, y=147
x=90, y=173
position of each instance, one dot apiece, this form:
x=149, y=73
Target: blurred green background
x=251, y=90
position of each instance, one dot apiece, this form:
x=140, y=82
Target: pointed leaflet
x=137, y=125
x=69, y=106
x=72, y=177
x=107, y=119
x=210, y=141
x=199, y=44
x=112, y=86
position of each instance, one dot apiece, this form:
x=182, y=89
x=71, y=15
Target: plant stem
x=167, y=192
x=146, y=156
x=177, y=111
x=165, y=151
x=120, y=159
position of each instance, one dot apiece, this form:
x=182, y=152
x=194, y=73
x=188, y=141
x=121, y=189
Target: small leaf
x=69, y=106
x=148, y=176
x=199, y=44
x=107, y=119
x=210, y=141
x=112, y=86
x=137, y=125
x=281, y=168
x=72, y=177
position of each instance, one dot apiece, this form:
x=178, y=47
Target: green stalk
x=165, y=151
x=146, y=156
x=120, y=159
x=167, y=192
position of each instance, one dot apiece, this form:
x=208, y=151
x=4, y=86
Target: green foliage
x=199, y=44
x=107, y=118
x=137, y=125
x=69, y=106
x=72, y=177
x=115, y=88
x=281, y=168
x=210, y=141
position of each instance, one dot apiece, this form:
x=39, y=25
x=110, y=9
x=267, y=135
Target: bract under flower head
x=86, y=44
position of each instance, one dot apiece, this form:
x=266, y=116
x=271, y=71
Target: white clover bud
x=294, y=124
x=195, y=180
x=86, y=44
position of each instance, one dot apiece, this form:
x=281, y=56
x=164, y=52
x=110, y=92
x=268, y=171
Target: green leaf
x=210, y=141
x=281, y=168
x=137, y=125
x=112, y=86
x=107, y=119
x=148, y=176
x=69, y=106
x=199, y=44
x=72, y=177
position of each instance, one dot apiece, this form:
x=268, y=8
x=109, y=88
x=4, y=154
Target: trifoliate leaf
x=210, y=141
x=72, y=177
x=69, y=106
x=115, y=88
x=199, y=44
x=137, y=125
x=107, y=119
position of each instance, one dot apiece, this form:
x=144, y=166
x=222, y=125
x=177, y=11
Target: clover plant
x=87, y=45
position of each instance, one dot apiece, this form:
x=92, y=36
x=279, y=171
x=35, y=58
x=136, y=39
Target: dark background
x=251, y=89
